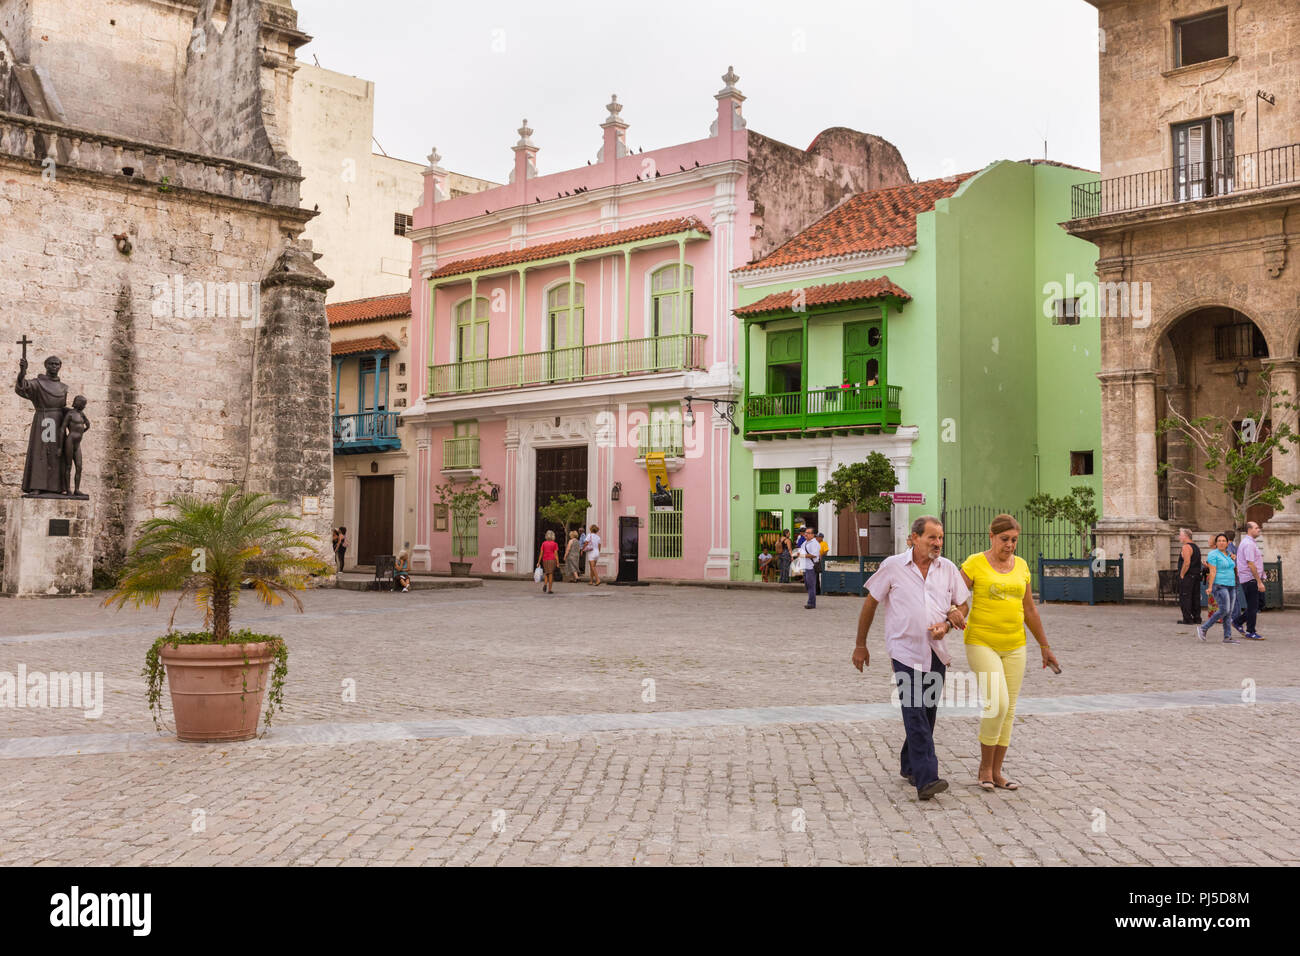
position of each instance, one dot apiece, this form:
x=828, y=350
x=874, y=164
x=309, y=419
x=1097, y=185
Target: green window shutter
x=666, y=529
x=805, y=481
x=769, y=481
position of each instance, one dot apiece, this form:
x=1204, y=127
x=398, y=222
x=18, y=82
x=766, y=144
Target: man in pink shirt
x=924, y=598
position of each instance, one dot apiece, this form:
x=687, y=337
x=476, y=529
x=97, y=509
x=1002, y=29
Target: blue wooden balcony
x=862, y=408
x=365, y=433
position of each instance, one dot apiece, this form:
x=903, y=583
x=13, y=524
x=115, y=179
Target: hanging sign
x=905, y=497
x=661, y=498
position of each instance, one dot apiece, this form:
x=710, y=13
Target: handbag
x=537, y=574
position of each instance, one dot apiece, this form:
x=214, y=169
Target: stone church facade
x=1195, y=218
x=150, y=236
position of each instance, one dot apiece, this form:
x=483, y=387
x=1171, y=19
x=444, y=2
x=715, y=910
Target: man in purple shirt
x=1250, y=581
x=924, y=597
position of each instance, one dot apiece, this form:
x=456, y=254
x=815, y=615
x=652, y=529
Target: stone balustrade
x=27, y=137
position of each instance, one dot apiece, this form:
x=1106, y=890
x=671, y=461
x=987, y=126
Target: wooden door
x=374, y=533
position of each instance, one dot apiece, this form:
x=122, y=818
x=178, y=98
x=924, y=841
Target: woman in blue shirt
x=1222, y=585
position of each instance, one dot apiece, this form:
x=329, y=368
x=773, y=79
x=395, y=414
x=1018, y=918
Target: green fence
x=966, y=531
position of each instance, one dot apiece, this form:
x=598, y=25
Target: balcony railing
x=580, y=363
x=460, y=453
x=365, y=432
x=868, y=406
x=1279, y=166
x=666, y=437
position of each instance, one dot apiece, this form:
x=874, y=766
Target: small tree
x=857, y=487
x=565, y=510
x=1078, y=508
x=1234, y=459
x=465, y=506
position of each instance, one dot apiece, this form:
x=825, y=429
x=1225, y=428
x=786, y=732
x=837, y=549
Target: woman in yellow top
x=1002, y=603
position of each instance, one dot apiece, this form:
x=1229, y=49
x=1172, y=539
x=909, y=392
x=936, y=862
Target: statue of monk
x=44, y=472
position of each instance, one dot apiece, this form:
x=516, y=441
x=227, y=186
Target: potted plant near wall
x=464, y=504
x=854, y=487
x=210, y=549
x=1091, y=577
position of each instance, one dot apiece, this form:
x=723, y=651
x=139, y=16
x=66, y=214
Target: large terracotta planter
x=207, y=684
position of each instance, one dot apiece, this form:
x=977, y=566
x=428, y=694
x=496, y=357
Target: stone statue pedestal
x=48, y=547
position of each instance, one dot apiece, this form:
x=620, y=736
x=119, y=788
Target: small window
x=1080, y=463
x=1067, y=311
x=1239, y=340
x=1201, y=38
x=401, y=223
x=805, y=481
x=666, y=529
x=769, y=481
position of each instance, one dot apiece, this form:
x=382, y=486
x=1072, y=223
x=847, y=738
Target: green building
x=937, y=323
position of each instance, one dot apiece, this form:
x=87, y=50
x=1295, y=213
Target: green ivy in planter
x=155, y=672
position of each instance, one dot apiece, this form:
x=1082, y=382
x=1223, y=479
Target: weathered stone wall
x=1142, y=93
x=793, y=188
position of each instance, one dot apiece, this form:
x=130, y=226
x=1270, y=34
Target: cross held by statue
x=24, y=342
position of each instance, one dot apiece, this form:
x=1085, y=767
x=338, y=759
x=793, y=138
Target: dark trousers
x=920, y=693
x=783, y=562
x=810, y=582
x=1246, y=614
x=1189, y=598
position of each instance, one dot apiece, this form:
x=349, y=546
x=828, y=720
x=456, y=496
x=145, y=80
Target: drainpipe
x=803, y=377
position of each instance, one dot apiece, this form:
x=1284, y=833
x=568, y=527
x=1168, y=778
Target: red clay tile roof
x=369, y=310
x=859, y=291
x=546, y=250
x=868, y=222
x=376, y=343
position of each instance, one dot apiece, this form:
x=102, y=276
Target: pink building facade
x=561, y=321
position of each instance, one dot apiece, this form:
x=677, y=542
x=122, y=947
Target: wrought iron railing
x=1246, y=172
x=608, y=359
x=460, y=452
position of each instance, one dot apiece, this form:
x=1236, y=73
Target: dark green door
x=863, y=345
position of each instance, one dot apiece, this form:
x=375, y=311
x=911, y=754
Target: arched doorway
x=1208, y=364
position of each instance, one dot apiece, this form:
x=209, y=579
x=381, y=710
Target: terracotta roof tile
x=369, y=310
x=376, y=343
x=868, y=222
x=546, y=250
x=859, y=291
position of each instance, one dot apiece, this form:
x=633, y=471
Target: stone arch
x=1171, y=317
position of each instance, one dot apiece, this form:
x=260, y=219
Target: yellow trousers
x=1000, y=676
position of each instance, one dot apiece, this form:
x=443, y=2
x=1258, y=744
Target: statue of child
x=75, y=424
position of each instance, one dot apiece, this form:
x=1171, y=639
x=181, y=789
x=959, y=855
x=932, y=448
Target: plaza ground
x=499, y=725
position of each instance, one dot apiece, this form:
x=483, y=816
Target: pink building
x=560, y=322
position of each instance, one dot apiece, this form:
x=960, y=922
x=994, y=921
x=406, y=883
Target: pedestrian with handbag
x=809, y=552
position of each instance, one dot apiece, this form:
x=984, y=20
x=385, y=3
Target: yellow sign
x=660, y=491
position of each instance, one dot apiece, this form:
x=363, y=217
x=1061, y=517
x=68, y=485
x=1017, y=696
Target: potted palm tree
x=211, y=550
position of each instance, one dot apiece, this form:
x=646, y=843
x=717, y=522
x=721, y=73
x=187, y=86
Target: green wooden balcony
x=664, y=436
x=866, y=407
x=460, y=453
x=665, y=353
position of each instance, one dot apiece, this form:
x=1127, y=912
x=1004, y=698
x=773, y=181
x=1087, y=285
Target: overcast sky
x=954, y=84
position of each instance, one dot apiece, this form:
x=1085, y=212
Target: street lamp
x=1241, y=372
x=616, y=491
x=724, y=408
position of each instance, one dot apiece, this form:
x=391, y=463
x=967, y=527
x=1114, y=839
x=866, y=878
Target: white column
x=351, y=508
x=826, y=522
x=898, y=513
x=421, y=558
x=718, y=562
x=1144, y=437
x=510, y=533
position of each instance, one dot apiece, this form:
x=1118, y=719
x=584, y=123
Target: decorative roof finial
x=524, y=134
x=730, y=79
x=434, y=159
x=614, y=107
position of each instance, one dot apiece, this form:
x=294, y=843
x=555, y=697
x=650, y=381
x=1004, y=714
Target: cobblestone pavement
x=1156, y=778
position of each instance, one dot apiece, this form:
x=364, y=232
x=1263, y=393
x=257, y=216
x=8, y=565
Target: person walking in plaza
x=924, y=598
x=593, y=555
x=1189, y=579
x=548, y=556
x=1221, y=586
x=1002, y=605
x=784, y=556
x=809, y=554
x=1250, y=582
x=341, y=547
x=571, y=553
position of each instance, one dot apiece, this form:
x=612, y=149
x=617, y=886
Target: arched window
x=671, y=301
x=472, y=343
x=564, y=330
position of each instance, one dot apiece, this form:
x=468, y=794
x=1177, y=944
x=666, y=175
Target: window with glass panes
x=769, y=481
x=666, y=529
x=564, y=325
x=805, y=481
